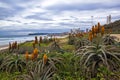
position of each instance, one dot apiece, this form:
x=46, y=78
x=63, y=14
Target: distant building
x=109, y=19
x=86, y=29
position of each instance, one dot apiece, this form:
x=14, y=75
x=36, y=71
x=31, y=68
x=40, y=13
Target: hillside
x=114, y=26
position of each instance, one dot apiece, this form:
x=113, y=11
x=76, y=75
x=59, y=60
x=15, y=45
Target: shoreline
x=3, y=47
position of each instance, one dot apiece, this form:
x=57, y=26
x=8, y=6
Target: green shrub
x=94, y=56
x=12, y=63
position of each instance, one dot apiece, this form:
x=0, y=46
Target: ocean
x=4, y=40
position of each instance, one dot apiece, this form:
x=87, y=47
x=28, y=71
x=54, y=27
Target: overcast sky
x=21, y=16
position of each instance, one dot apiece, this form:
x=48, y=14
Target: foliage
x=86, y=56
x=81, y=42
x=41, y=71
x=12, y=64
x=54, y=47
x=71, y=40
x=109, y=40
x=9, y=76
x=94, y=56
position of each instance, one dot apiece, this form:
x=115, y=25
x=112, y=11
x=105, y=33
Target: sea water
x=4, y=40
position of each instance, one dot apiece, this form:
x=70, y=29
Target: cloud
x=81, y=7
x=40, y=17
x=45, y=15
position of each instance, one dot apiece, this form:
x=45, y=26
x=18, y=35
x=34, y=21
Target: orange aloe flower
x=102, y=30
x=92, y=29
x=13, y=45
x=45, y=58
x=90, y=35
x=40, y=40
x=36, y=40
x=98, y=27
x=26, y=55
x=32, y=56
x=35, y=52
x=95, y=35
x=93, y=32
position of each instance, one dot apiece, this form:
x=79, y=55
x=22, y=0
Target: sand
x=116, y=35
x=3, y=47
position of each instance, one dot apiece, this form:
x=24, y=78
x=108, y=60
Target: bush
x=13, y=63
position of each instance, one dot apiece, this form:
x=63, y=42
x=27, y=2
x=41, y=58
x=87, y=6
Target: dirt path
x=116, y=35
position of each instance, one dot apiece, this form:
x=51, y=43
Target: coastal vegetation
x=93, y=55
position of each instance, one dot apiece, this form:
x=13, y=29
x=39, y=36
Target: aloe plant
x=109, y=40
x=39, y=71
x=94, y=56
x=55, y=47
x=12, y=64
x=81, y=42
x=72, y=39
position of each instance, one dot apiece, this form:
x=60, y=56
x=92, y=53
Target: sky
x=26, y=16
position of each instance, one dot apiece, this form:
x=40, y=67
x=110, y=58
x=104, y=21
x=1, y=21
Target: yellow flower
x=36, y=40
x=40, y=39
x=45, y=58
x=90, y=32
x=95, y=35
x=35, y=52
x=98, y=27
x=32, y=57
x=15, y=44
x=102, y=30
x=26, y=55
x=93, y=30
x=90, y=35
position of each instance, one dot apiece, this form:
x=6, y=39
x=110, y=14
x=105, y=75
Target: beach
x=2, y=47
x=5, y=46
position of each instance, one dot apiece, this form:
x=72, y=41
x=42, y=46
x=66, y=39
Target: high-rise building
x=109, y=19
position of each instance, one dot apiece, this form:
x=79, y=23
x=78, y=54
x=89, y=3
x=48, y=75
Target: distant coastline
x=49, y=34
x=38, y=33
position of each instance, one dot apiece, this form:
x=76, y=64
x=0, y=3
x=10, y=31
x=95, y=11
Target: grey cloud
x=116, y=17
x=81, y=7
x=38, y=17
x=6, y=13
